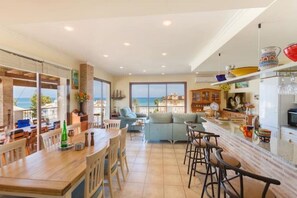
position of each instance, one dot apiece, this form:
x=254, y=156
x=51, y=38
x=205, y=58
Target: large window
x=101, y=100
x=158, y=97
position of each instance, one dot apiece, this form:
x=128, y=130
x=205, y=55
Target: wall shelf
x=118, y=98
x=292, y=66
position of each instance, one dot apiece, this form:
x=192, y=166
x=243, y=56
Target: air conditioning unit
x=205, y=79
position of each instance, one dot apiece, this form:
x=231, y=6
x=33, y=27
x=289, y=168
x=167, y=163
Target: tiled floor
x=156, y=171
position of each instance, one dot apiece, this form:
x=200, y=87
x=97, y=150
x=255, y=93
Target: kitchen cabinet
x=204, y=97
x=289, y=134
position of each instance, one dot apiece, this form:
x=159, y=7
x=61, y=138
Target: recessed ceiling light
x=105, y=55
x=126, y=44
x=163, y=66
x=144, y=70
x=130, y=74
x=163, y=73
x=167, y=23
x=164, y=54
x=121, y=67
x=68, y=28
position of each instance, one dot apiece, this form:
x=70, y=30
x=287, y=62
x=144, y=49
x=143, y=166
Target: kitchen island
x=277, y=159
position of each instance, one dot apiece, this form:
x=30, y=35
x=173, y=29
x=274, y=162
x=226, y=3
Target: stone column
x=86, y=73
x=6, y=101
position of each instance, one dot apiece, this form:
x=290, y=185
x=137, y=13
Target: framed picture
x=74, y=79
x=239, y=85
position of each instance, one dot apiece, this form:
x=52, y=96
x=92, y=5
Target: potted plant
x=81, y=97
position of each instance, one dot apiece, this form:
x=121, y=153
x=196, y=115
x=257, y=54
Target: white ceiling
x=101, y=27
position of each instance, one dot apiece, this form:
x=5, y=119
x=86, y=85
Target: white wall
x=122, y=83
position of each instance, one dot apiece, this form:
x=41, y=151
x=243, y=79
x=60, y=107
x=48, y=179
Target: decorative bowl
x=291, y=51
x=264, y=135
x=221, y=77
x=244, y=70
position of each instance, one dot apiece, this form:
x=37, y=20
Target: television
x=236, y=102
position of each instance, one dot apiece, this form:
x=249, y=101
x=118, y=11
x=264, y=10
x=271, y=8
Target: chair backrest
x=113, y=152
x=51, y=138
x=226, y=178
x=112, y=124
x=94, y=173
x=211, y=145
x=188, y=124
x=12, y=151
x=57, y=124
x=123, y=138
x=94, y=125
x=75, y=127
x=196, y=135
x=17, y=134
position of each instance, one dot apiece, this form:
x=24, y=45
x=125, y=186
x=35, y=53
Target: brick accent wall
x=86, y=84
x=259, y=161
x=6, y=101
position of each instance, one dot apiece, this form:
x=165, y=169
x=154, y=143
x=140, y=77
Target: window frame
x=154, y=83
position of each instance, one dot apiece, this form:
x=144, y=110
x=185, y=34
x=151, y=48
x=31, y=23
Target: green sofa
x=170, y=126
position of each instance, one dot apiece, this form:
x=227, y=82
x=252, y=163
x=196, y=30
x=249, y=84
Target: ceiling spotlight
x=105, y=55
x=130, y=74
x=144, y=70
x=121, y=67
x=163, y=66
x=164, y=54
x=126, y=44
x=167, y=23
x=68, y=28
x=162, y=73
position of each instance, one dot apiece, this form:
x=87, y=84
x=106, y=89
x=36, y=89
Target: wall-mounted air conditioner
x=205, y=79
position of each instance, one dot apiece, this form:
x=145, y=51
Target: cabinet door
x=196, y=96
x=215, y=96
x=289, y=134
x=206, y=96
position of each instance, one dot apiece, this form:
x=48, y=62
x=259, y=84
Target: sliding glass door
x=101, y=100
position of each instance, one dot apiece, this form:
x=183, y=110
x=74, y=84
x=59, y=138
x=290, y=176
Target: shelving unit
x=204, y=97
x=118, y=98
x=283, y=68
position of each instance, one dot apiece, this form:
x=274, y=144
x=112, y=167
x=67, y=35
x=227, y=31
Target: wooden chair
x=243, y=184
x=31, y=143
x=122, y=151
x=94, y=177
x=3, y=128
x=111, y=163
x=12, y=151
x=75, y=127
x=51, y=138
x=17, y=134
x=112, y=124
x=94, y=125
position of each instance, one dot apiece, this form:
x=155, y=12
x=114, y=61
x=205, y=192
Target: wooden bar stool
x=212, y=164
x=244, y=184
x=199, y=151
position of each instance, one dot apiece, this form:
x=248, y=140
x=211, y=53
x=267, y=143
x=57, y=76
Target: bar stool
x=199, y=151
x=212, y=164
x=244, y=184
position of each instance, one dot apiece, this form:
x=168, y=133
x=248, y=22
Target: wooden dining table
x=51, y=172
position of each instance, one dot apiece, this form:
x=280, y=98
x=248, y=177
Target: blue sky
x=156, y=90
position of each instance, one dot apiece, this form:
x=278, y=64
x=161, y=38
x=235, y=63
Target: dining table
x=52, y=172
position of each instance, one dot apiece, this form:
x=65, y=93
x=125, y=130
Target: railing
x=48, y=113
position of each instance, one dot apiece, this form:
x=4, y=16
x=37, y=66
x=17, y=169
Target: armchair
x=129, y=117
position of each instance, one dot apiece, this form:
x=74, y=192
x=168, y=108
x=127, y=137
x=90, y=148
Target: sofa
x=170, y=126
x=127, y=116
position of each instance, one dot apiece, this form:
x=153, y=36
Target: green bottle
x=64, y=136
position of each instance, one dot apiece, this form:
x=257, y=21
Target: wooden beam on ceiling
x=24, y=83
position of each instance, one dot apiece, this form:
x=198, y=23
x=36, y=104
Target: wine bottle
x=64, y=136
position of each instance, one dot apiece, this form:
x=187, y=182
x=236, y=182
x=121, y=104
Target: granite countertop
x=278, y=147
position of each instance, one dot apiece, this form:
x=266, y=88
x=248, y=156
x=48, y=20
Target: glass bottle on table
x=64, y=136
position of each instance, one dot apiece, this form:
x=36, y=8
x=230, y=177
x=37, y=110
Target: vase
x=81, y=111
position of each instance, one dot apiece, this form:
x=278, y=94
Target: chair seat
x=252, y=188
x=199, y=143
x=227, y=158
x=196, y=135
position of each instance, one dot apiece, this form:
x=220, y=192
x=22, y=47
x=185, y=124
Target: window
x=158, y=97
x=101, y=100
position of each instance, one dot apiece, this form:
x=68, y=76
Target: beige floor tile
x=169, y=161
x=156, y=150
x=131, y=190
x=141, y=160
x=154, y=178
x=179, y=151
x=157, y=145
x=174, y=191
x=170, y=179
x=171, y=170
x=139, y=168
x=153, y=191
x=136, y=177
x=168, y=150
x=156, y=161
x=193, y=192
x=155, y=169
x=167, y=145
x=156, y=156
x=169, y=155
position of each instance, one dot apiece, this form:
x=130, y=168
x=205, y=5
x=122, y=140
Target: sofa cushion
x=182, y=117
x=23, y=123
x=199, y=115
x=124, y=111
x=160, y=117
x=131, y=115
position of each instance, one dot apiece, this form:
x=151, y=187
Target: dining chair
x=75, y=127
x=112, y=124
x=31, y=143
x=12, y=151
x=111, y=163
x=94, y=125
x=51, y=138
x=122, y=151
x=94, y=177
x=244, y=183
x=17, y=134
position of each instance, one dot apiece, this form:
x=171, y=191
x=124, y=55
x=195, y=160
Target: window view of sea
x=25, y=103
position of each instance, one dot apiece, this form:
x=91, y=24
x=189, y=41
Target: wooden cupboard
x=204, y=97
x=83, y=119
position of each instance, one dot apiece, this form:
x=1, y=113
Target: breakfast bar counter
x=277, y=159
